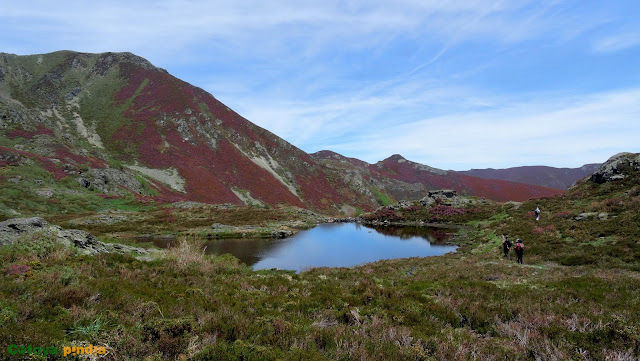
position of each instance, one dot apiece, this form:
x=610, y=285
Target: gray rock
x=585, y=215
x=281, y=234
x=222, y=227
x=86, y=243
x=83, y=182
x=102, y=219
x=612, y=169
x=45, y=193
x=448, y=197
x=111, y=181
x=442, y=193
x=190, y=205
x=11, y=229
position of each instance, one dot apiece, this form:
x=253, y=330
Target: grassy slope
x=576, y=297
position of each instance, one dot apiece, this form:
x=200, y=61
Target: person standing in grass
x=506, y=245
x=519, y=248
x=537, y=211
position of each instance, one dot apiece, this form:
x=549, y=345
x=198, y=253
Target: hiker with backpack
x=519, y=248
x=506, y=245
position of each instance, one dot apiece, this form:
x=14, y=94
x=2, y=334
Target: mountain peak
x=396, y=158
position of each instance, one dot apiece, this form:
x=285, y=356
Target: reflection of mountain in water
x=247, y=250
x=330, y=245
x=433, y=235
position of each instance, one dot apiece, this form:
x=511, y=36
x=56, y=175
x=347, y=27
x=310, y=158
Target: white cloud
x=568, y=132
x=300, y=69
x=159, y=27
x=617, y=42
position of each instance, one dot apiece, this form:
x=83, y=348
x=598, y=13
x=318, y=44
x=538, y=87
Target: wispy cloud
x=449, y=83
x=569, y=131
x=617, y=42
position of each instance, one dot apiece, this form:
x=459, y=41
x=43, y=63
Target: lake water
x=332, y=245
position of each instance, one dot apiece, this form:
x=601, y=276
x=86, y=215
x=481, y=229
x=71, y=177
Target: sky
x=456, y=84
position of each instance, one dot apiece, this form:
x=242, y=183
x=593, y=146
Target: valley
x=109, y=152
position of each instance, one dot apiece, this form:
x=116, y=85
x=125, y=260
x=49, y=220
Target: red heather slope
x=72, y=112
x=213, y=148
x=406, y=180
x=123, y=109
x=399, y=168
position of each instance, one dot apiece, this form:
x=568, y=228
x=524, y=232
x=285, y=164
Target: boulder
x=11, y=229
x=585, y=215
x=86, y=243
x=448, y=197
x=281, y=233
x=614, y=168
x=442, y=193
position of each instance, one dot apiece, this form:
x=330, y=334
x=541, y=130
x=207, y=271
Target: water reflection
x=347, y=244
x=332, y=245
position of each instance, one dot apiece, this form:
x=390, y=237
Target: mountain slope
x=79, y=110
x=403, y=179
x=76, y=128
x=550, y=177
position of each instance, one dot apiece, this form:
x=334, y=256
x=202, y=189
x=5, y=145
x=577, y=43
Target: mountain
x=550, y=177
x=403, y=179
x=78, y=128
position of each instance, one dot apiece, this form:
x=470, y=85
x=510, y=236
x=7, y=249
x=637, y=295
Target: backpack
x=519, y=246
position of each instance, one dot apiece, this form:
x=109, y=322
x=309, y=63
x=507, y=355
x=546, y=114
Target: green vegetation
x=383, y=199
x=576, y=297
x=98, y=106
x=116, y=164
x=146, y=187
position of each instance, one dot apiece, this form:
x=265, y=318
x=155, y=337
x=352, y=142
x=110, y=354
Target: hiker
x=506, y=245
x=537, y=211
x=519, y=248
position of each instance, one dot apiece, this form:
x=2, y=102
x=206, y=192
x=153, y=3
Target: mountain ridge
x=79, y=114
x=545, y=176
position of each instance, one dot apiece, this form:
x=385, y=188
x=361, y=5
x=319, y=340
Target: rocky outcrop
x=11, y=230
x=110, y=181
x=616, y=167
x=603, y=216
x=448, y=197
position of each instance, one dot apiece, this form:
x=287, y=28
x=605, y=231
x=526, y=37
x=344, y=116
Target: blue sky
x=452, y=84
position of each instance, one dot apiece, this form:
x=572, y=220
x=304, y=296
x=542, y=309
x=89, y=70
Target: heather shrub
x=445, y=211
x=385, y=214
x=17, y=269
x=563, y=214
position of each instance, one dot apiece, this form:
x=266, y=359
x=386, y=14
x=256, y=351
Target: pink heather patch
x=63, y=153
x=563, y=214
x=17, y=269
x=385, y=214
x=445, y=211
x=538, y=230
x=46, y=163
x=28, y=134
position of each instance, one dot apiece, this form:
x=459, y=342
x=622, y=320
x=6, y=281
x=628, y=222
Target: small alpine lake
x=332, y=245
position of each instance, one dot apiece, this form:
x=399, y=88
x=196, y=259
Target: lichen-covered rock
x=448, y=197
x=11, y=229
x=111, y=181
x=86, y=243
x=614, y=168
x=281, y=233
